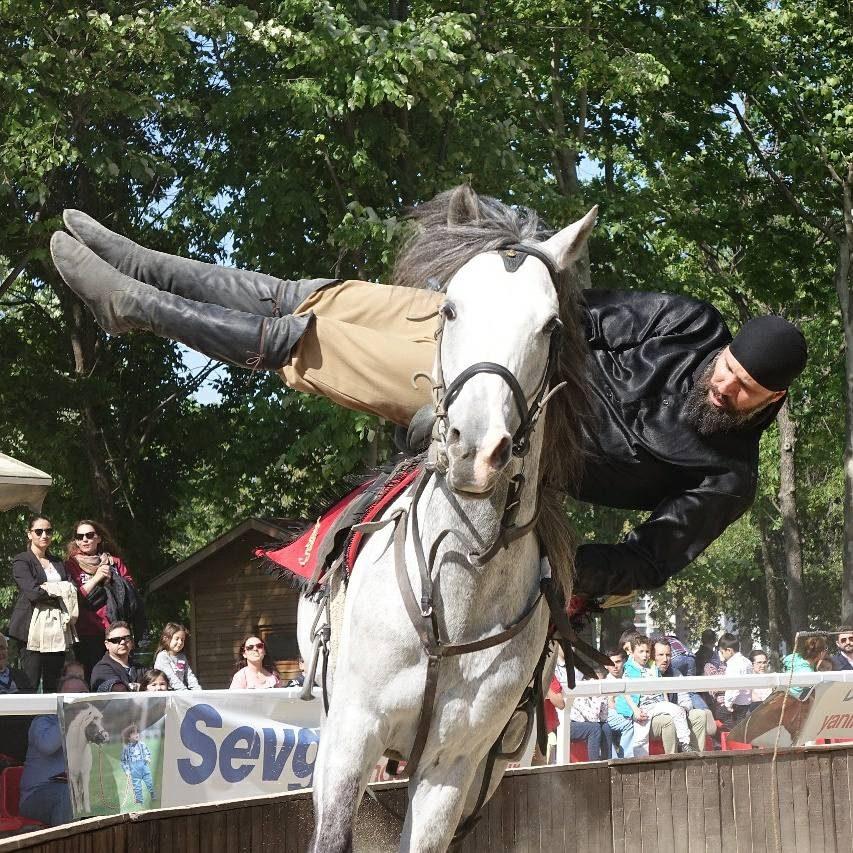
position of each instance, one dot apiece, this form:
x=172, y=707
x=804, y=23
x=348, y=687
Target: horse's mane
x=450, y=230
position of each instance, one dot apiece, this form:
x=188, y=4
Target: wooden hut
x=231, y=597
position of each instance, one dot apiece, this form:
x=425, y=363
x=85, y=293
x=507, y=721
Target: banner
x=113, y=752
x=831, y=714
x=235, y=745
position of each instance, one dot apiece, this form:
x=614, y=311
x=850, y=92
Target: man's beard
x=705, y=417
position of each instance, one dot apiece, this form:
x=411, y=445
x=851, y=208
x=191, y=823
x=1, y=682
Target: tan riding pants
x=366, y=342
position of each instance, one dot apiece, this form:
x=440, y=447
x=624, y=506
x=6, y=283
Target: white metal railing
x=45, y=703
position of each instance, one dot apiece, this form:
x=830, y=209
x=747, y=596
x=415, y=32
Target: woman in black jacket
x=31, y=569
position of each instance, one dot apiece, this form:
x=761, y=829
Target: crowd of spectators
x=622, y=726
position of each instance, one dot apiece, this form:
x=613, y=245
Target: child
x=136, y=761
x=155, y=681
x=172, y=660
x=643, y=707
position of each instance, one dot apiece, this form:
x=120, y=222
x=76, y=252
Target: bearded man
x=678, y=406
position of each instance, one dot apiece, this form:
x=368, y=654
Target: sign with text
x=217, y=747
x=831, y=713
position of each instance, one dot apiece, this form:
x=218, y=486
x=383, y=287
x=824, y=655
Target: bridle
x=513, y=256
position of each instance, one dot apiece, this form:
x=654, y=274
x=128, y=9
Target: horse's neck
x=510, y=578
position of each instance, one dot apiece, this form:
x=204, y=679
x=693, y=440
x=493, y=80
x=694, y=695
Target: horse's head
x=92, y=723
x=498, y=347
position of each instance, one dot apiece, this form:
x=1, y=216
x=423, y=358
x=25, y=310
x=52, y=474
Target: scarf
x=90, y=563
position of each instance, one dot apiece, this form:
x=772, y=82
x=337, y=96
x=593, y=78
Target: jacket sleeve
x=192, y=681
x=27, y=582
x=618, y=320
x=674, y=535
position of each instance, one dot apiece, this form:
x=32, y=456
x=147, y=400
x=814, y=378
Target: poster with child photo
x=113, y=751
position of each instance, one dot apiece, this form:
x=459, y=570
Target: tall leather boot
x=241, y=290
x=120, y=304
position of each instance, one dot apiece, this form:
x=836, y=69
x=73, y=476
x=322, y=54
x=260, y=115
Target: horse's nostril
x=453, y=436
x=499, y=457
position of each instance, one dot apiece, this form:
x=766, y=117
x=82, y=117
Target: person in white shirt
x=588, y=717
x=738, y=700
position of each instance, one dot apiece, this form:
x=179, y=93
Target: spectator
x=12, y=680
x=155, y=681
x=699, y=718
x=255, y=671
x=736, y=701
x=75, y=668
x=760, y=663
x=32, y=570
x=13, y=730
x=44, y=784
x=553, y=702
x=683, y=660
x=625, y=640
x=588, y=717
x=172, y=659
x=116, y=665
x=106, y=588
x=808, y=653
x=843, y=658
x=622, y=727
x=298, y=680
x=643, y=708
x=706, y=651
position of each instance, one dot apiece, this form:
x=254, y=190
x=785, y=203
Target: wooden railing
x=799, y=800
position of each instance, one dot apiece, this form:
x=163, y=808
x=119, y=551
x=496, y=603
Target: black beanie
x=771, y=350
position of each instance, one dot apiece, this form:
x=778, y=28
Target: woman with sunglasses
x=97, y=572
x=255, y=670
x=31, y=569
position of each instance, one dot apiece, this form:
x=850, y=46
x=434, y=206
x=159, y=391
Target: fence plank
x=740, y=798
x=728, y=833
x=617, y=809
x=663, y=808
x=799, y=797
x=829, y=827
x=695, y=806
x=817, y=841
x=678, y=789
x=711, y=800
x=784, y=805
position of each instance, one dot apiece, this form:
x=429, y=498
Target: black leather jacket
x=645, y=351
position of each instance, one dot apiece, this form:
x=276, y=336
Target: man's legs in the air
x=356, y=343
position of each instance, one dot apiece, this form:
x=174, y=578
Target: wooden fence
x=720, y=802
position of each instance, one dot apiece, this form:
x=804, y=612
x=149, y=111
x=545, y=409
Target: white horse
x=494, y=358
x=85, y=728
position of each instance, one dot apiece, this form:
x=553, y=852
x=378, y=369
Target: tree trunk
x=774, y=633
x=790, y=520
x=843, y=289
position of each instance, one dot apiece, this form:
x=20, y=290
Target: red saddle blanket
x=308, y=557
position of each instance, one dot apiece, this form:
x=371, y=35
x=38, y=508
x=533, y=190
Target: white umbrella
x=21, y=484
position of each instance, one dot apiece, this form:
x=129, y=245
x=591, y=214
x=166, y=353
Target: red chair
x=10, y=794
x=578, y=751
x=728, y=745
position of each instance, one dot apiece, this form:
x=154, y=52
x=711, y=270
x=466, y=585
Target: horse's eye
x=553, y=325
x=448, y=311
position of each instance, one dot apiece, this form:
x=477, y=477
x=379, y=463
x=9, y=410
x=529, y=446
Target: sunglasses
x=254, y=648
x=43, y=531
x=125, y=638
x=88, y=535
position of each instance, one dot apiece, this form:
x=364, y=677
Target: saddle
x=306, y=561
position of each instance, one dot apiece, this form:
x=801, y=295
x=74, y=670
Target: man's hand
x=640, y=715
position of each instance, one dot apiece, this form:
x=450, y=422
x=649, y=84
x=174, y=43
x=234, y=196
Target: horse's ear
x=463, y=207
x=565, y=246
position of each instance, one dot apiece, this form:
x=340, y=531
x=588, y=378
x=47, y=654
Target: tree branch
x=774, y=175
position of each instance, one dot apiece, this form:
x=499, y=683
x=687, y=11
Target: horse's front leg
x=349, y=750
x=437, y=798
